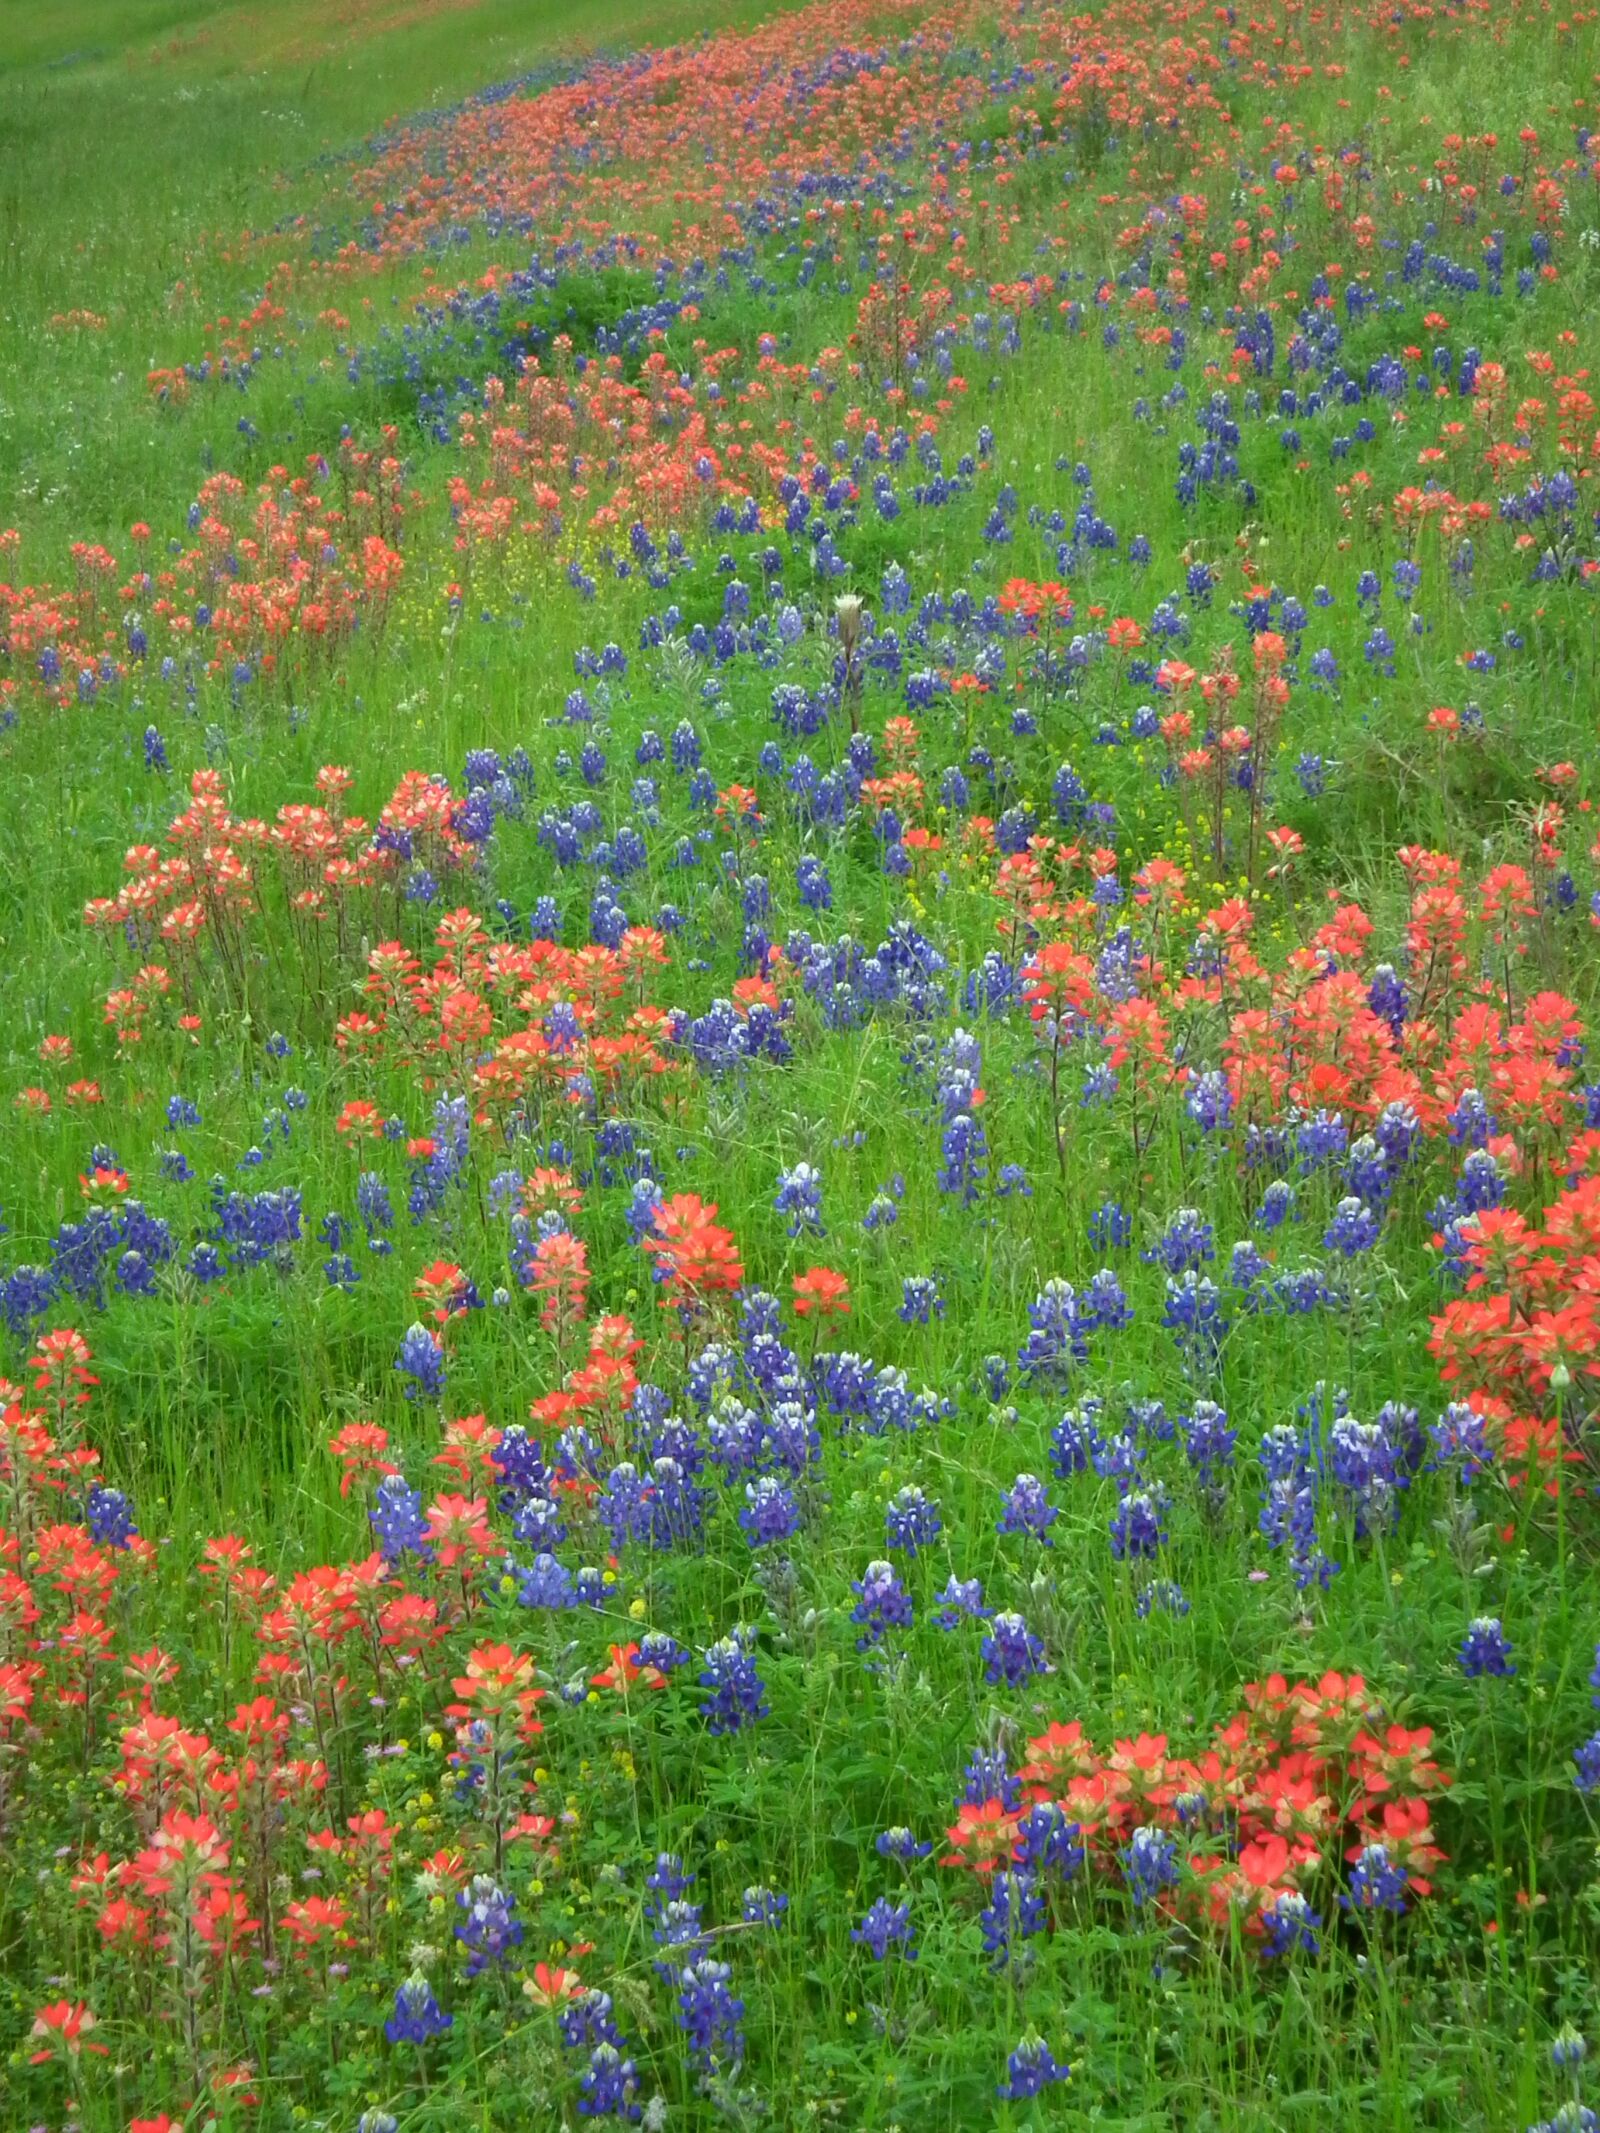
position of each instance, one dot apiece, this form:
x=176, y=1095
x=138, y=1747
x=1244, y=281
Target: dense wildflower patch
x=800, y=1276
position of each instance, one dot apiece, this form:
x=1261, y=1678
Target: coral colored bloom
x=823, y=1291
x=63, y=2026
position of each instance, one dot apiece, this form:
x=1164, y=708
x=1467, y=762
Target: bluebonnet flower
x=1321, y=1140
x=1353, y=1229
x=1471, y=1123
x=489, y=1930
x=1075, y=1441
x=770, y=1513
x=374, y=1207
x=882, y=1604
x=1368, y=1172
x=1138, y=1527
x=417, y=2015
x=1363, y=1461
x=520, y=1464
x=762, y=1906
x=537, y=1521
x=1160, y=1596
x=677, y=1927
x=1110, y=1226
x=661, y=1651
x=666, y=1882
x=1571, y=2117
x=1277, y=1205
x=1480, y=1185
x=421, y=1363
x=1299, y=1290
x=677, y=1502
x=397, y=1519
x=886, y=1925
x=799, y=1197
x=1015, y=1912
x=1209, y=1101
x=1103, y=1306
x=920, y=1300
x=1195, y=1317
x=988, y=1777
x=1568, y=2048
x=626, y=1507
x=814, y=885
x=1058, y=1338
x=1150, y=1419
x=1031, y=2069
x=1398, y=1133
x=548, y=1584
x=965, y=1152
x=449, y=1161
x=640, y=1213
x=258, y=1228
x=1484, y=1649
x=1047, y=1843
x=709, y=2015
x=1376, y=1883
x=911, y=1522
x=960, y=1073
x=1011, y=1652
x=1291, y=1464
x=608, y=2085
x=1290, y=1926
x=902, y=1844
x=109, y=1516
x=1208, y=1443
x=961, y=1601
x=1012, y=1183
x=1150, y=1863
x=1586, y=1758
x=1028, y=1509
x=738, y=1696
x=883, y=1211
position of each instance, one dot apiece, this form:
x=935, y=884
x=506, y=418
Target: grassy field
x=799, y=1224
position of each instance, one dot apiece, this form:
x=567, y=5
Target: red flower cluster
x=1529, y=1325
x=1305, y=1774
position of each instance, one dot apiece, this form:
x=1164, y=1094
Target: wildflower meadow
x=800, y=1200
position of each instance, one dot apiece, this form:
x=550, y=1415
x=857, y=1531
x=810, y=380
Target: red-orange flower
x=63, y=2026
x=823, y=1291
